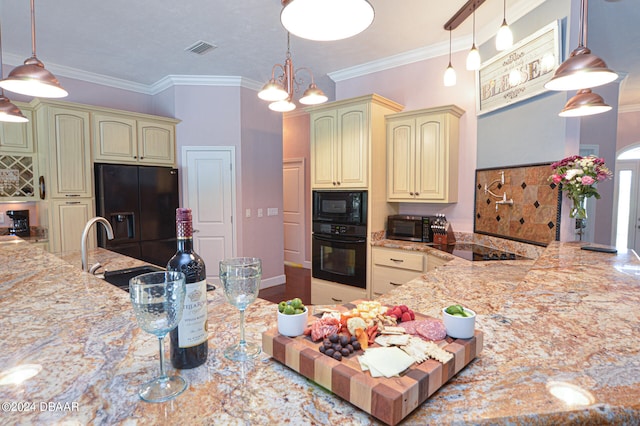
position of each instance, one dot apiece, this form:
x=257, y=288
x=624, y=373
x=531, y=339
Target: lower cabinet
x=392, y=268
x=329, y=293
x=66, y=223
x=434, y=262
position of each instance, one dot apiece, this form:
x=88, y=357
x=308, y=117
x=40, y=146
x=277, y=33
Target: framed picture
x=519, y=72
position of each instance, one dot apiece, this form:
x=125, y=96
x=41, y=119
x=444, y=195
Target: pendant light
x=473, y=58
x=279, y=91
x=32, y=79
x=585, y=102
x=450, y=73
x=504, y=38
x=8, y=111
x=582, y=69
x=326, y=20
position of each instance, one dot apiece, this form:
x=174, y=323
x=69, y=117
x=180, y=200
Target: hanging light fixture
x=473, y=58
x=585, y=102
x=279, y=90
x=32, y=79
x=450, y=73
x=326, y=20
x=8, y=111
x=582, y=69
x=504, y=38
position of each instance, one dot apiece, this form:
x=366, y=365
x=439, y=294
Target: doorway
x=208, y=188
x=626, y=229
x=293, y=211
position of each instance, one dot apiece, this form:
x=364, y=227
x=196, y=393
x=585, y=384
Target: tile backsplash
x=534, y=215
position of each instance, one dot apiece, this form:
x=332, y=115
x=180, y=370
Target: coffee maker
x=20, y=226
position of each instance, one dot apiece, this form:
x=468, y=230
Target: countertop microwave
x=410, y=228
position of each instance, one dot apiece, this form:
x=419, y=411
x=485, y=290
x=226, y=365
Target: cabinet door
x=400, y=159
x=323, y=150
x=431, y=158
x=67, y=223
x=17, y=137
x=328, y=293
x=70, y=160
x=353, y=138
x=114, y=139
x=156, y=143
x=385, y=279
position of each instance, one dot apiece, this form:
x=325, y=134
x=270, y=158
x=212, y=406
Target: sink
x=121, y=277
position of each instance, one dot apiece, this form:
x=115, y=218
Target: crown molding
x=203, y=80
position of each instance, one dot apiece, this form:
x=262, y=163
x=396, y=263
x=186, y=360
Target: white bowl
x=459, y=327
x=292, y=325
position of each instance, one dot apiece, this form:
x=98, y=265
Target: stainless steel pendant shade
x=585, y=102
x=32, y=79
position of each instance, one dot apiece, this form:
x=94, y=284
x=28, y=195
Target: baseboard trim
x=272, y=282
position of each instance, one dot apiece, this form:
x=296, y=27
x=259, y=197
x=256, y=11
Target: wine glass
x=241, y=280
x=158, y=300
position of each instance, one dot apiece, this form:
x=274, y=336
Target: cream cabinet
x=65, y=151
x=330, y=293
x=68, y=218
x=344, y=135
x=422, y=155
x=391, y=268
x=17, y=137
x=339, y=144
x=434, y=262
x=18, y=161
x=128, y=139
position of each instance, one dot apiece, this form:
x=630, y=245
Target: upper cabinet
x=18, y=162
x=64, y=150
x=17, y=137
x=422, y=155
x=119, y=138
x=341, y=136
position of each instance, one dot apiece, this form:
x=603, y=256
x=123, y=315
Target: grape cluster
x=339, y=345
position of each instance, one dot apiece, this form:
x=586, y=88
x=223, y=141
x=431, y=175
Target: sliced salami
x=409, y=326
x=431, y=329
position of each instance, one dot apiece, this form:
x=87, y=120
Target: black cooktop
x=475, y=252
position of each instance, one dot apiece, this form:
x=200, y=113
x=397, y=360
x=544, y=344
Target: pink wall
x=628, y=129
x=261, y=184
x=296, y=144
x=419, y=85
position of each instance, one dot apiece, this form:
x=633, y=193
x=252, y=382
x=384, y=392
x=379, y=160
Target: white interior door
x=293, y=211
x=208, y=187
x=627, y=210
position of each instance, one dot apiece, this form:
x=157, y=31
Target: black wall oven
x=339, y=244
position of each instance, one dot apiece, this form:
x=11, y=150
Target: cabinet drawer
x=385, y=279
x=328, y=293
x=399, y=259
x=434, y=262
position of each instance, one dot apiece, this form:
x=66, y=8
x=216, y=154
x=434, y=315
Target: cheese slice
x=388, y=361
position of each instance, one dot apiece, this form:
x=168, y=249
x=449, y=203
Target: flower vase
x=578, y=210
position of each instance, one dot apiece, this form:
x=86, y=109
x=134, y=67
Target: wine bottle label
x=192, y=328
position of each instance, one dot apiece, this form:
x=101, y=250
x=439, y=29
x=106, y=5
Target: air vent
x=201, y=47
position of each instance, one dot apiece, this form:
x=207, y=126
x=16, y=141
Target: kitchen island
x=565, y=323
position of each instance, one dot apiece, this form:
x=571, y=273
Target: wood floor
x=298, y=285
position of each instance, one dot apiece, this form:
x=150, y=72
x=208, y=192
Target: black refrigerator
x=140, y=202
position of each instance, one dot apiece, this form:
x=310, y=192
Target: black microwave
x=342, y=207
x=410, y=228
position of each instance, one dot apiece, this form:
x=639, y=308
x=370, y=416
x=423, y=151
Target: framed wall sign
x=519, y=72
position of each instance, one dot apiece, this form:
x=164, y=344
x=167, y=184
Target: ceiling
x=141, y=42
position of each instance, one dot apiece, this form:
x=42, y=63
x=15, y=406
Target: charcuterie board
x=388, y=399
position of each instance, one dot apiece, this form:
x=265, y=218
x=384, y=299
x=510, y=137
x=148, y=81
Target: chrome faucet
x=85, y=234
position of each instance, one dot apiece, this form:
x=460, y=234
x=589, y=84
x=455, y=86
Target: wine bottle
x=189, y=339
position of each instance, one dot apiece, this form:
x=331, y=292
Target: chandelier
x=279, y=90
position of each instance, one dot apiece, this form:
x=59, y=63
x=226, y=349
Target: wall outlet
x=260, y=212
x=247, y=213
x=272, y=211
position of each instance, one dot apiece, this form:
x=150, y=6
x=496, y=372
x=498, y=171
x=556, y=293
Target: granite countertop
x=569, y=318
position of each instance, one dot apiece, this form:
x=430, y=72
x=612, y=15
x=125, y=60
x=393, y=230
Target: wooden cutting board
x=389, y=400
